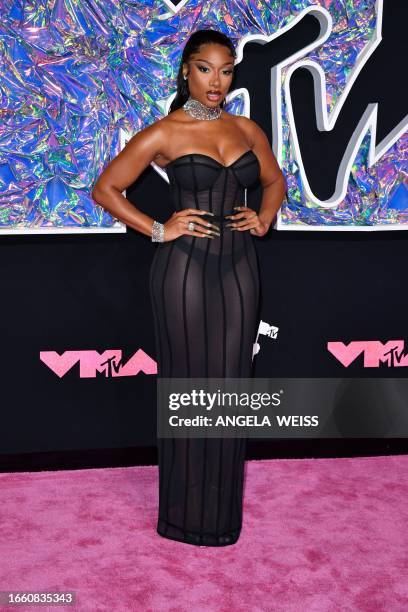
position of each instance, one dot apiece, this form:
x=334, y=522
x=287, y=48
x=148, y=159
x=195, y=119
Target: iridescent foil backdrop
x=75, y=73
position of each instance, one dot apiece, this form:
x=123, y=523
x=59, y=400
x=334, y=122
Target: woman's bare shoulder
x=247, y=124
x=166, y=127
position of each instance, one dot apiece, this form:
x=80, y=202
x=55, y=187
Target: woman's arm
x=123, y=170
x=271, y=176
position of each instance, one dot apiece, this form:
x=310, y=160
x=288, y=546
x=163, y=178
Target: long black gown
x=205, y=295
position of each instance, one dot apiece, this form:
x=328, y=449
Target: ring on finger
x=191, y=226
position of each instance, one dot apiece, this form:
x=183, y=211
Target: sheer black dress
x=205, y=296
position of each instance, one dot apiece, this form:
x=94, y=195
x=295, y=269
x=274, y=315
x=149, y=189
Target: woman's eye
x=205, y=68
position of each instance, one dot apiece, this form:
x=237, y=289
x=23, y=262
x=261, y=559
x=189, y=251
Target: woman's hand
x=248, y=220
x=177, y=225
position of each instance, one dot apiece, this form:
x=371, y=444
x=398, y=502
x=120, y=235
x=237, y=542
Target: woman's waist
x=220, y=218
x=230, y=243
x=216, y=217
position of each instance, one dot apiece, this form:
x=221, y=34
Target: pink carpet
x=318, y=535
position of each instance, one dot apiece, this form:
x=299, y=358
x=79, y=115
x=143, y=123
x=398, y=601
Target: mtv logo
x=264, y=329
x=268, y=330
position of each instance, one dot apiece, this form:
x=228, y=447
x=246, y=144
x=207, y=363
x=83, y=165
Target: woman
x=204, y=278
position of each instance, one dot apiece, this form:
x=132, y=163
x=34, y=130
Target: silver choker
x=198, y=110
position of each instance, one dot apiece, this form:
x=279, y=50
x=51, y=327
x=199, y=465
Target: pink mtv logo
x=374, y=351
x=91, y=362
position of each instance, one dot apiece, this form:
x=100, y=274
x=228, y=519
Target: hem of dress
x=227, y=539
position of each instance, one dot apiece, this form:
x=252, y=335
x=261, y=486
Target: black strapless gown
x=205, y=296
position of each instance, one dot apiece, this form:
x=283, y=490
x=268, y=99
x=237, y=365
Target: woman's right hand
x=177, y=225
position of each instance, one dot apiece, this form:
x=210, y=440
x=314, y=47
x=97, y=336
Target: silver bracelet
x=157, y=232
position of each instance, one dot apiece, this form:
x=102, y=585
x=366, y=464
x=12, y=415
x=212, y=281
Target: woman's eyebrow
x=198, y=59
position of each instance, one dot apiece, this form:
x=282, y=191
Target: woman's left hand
x=247, y=219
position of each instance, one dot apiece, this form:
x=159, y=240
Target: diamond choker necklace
x=198, y=110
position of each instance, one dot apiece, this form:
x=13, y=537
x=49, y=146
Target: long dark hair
x=193, y=44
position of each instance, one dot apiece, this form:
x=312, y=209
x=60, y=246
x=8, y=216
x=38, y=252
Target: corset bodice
x=200, y=181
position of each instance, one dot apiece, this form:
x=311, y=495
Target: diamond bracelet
x=157, y=232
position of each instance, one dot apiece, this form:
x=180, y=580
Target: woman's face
x=210, y=73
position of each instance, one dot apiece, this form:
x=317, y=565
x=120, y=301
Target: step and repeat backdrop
x=325, y=80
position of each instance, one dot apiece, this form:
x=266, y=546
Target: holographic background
x=76, y=75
